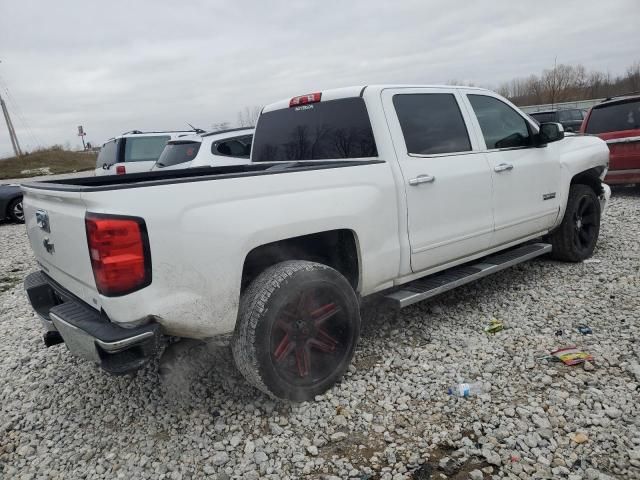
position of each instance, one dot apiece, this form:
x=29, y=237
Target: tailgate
x=56, y=231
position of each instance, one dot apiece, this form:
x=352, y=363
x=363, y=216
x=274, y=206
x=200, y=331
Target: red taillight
x=304, y=99
x=119, y=252
x=120, y=170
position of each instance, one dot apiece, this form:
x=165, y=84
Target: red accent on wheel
x=305, y=331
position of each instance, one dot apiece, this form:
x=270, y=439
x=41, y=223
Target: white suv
x=224, y=147
x=134, y=151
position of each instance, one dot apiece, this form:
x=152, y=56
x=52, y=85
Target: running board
x=438, y=283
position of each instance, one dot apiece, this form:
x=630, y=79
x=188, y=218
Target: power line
x=12, y=132
x=19, y=115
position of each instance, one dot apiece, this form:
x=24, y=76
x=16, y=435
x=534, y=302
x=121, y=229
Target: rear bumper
x=620, y=177
x=88, y=333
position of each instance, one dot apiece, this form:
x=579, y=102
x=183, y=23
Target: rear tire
x=576, y=237
x=297, y=330
x=15, y=210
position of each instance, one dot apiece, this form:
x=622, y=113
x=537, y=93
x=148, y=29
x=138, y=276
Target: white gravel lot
x=390, y=418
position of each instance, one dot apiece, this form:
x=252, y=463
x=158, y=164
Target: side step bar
x=438, y=283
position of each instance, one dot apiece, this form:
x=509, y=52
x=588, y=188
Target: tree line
x=567, y=83
x=561, y=83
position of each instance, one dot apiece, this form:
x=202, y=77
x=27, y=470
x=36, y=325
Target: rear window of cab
x=614, y=117
x=333, y=129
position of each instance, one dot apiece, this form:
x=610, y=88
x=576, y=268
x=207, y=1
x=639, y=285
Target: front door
x=447, y=180
x=526, y=177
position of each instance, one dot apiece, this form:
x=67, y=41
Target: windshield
x=318, y=131
x=178, y=152
x=615, y=117
x=144, y=149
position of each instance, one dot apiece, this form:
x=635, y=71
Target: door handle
x=421, y=179
x=503, y=167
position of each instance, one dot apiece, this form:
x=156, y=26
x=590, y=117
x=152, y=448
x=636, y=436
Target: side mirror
x=550, y=132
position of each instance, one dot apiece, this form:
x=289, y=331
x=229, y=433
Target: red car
x=617, y=122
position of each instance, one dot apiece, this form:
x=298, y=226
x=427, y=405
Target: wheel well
x=590, y=178
x=335, y=248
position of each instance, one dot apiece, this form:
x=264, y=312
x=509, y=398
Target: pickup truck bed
x=197, y=174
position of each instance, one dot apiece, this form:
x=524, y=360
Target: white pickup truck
x=400, y=191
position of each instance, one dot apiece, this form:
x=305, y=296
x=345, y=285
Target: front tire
x=16, y=212
x=297, y=330
x=576, y=237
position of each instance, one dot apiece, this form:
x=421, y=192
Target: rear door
x=525, y=177
x=447, y=179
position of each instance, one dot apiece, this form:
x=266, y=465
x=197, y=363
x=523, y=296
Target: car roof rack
x=228, y=130
x=139, y=132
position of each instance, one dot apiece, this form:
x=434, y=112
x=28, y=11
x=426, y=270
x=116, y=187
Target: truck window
x=233, y=147
x=544, y=117
x=565, y=115
x=431, y=123
x=501, y=125
x=324, y=130
x=144, y=149
x=178, y=152
x=614, y=117
x=108, y=154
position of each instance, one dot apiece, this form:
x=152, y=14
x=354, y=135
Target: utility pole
x=12, y=132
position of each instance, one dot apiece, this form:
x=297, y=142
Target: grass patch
x=45, y=162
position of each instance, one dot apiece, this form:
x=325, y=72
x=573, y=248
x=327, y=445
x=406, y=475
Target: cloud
x=119, y=65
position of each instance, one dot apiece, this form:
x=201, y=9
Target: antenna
x=197, y=130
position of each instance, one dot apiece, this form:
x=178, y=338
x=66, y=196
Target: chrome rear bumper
x=88, y=333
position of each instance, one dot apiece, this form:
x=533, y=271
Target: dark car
x=11, y=203
x=617, y=122
x=570, y=118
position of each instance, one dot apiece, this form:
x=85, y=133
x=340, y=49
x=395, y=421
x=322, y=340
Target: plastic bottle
x=465, y=389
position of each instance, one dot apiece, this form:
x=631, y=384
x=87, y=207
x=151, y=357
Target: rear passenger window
x=431, y=123
x=501, y=125
x=108, y=153
x=233, y=147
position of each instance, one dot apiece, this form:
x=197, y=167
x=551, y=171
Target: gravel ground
x=391, y=417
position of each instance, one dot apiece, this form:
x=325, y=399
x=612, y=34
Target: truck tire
x=576, y=237
x=297, y=330
x=15, y=210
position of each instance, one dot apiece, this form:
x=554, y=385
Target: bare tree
x=249, y=116
x=633, y=77
x=220, y=126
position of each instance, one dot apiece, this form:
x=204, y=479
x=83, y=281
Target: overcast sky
x=116, y=66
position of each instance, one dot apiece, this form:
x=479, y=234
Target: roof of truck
x=358, y=91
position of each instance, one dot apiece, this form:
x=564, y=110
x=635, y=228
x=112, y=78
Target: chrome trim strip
x=111, y=347
x=623, y=140
x=118, y=345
